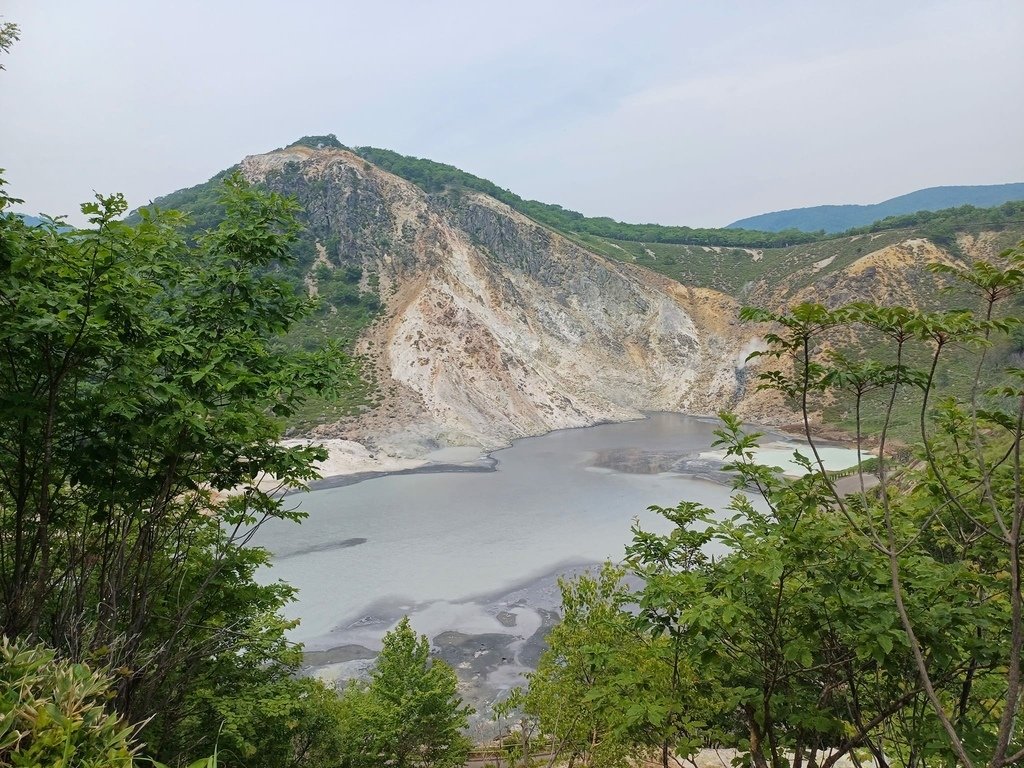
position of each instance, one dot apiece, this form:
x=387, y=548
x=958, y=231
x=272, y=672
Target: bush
x=53, y=713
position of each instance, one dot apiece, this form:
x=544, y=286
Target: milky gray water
x=441, y=546
x=422, y=540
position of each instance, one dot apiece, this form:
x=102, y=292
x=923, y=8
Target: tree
x=9, y=35
x=604, y=691
x=959, y=507
x=890, y=617
x=142, y=393
x=410, y=714
x=791, y=626
x=576, y=694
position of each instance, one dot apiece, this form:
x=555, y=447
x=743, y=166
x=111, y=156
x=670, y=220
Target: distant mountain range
x=35, y=221
x=839, y=218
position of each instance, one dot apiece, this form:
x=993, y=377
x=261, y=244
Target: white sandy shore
x=780, y=454
x=346, y=457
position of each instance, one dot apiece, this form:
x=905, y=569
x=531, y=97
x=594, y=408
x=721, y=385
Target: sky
x=685, y=112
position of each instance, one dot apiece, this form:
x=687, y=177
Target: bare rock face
x=495, y=327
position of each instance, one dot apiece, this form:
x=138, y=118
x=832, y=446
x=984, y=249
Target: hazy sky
x=686, y=112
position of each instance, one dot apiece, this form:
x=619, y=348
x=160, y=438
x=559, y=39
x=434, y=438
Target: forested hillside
x=438, y=177
x=347, y=246
x=722, y=259
x=737, y=270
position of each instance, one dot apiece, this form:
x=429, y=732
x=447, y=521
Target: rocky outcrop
x=897, y=274
x=496, y=327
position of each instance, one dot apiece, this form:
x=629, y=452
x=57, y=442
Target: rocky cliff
x=495, y=327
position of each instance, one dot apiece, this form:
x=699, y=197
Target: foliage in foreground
x=140, y=383
x=605, y=694
x=53, y=713
x=346, y=302
x=883, y=621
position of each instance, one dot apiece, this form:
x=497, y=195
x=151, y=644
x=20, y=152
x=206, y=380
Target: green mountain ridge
x=839, y=218
x=727, y=260
x=434, y=177
x=437, y=178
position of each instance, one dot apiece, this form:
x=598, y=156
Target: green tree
x=410, y=713
x=575, y=692
x=604, y=692
x=794, y=625
x=948, y=526
x=886, y=616
x=9, y=35
x=142, y=392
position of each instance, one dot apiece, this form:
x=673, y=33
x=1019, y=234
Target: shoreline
x=350, y=462
x=484, y=464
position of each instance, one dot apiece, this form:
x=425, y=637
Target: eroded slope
x=495, y=327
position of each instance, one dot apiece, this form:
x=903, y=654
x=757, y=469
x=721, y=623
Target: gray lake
x=475, y=554
x=562, y=499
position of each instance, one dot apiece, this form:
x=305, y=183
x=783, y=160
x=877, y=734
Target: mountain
x=435, y=177
x=493, y=326
x=37, y=221
x=840, y=218
x=481, y=324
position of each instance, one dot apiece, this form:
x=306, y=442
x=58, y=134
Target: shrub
x=53, y=713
